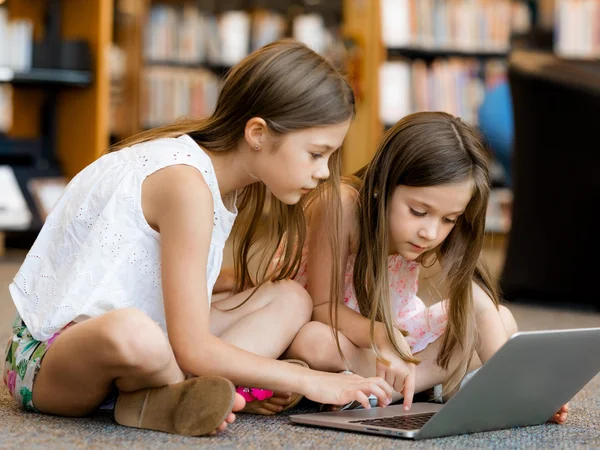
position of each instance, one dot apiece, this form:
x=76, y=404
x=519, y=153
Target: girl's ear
x=255, y=132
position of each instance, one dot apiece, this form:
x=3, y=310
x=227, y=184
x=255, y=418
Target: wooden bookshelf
x=82, y=113
x=129, y=28
x=60, y=116
x=362, y=27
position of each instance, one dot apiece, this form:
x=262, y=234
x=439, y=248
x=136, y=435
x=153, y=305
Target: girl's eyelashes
x=416, y=213
x=423, y=214
x=316, y=155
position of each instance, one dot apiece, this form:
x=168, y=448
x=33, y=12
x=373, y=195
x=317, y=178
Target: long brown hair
x=426, y=149
x=291, y=88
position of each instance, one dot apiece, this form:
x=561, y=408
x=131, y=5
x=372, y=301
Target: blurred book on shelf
x=267, y=26
x=6, y=107
x=186, y=51
x=168, y=94
x=459, y=25
x=16, y=42
x=118, y=100
x=577, y=29
x=453, y=85
x=499, y=211
x=444, y=54
x=186, y=34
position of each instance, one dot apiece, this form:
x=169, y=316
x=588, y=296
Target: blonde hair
x=291, y=88
x=425, y=149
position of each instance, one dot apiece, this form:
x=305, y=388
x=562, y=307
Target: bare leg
x=88, y=359
x=265, y=325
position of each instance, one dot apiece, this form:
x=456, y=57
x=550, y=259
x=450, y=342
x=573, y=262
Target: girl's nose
x=429, y=231
x=323, y=172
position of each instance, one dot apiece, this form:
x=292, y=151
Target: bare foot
x=270, y=406
x=561, y=416
x=238, y=405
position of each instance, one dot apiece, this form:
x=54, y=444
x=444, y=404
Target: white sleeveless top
x=97, y=253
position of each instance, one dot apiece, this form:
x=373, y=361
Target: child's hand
x=398, y=373
x=341, y=389
x=561, y=416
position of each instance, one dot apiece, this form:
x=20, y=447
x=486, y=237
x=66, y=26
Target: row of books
x=184, y=33
x=16, y=42
x=168, y=94
x=577, y=29
x=6, y=109
x=454, y=85
x=463, y=25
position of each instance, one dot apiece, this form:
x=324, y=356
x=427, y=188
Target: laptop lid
x=524, y=383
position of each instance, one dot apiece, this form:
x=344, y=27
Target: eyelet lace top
x=96, y=252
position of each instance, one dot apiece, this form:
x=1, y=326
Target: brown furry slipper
x=194, y=407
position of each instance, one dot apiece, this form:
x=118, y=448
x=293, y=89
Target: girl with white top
x=115, y=294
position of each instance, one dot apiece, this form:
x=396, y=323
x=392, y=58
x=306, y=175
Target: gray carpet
x=20, y=430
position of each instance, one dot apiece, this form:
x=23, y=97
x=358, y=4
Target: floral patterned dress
x=22, y=361
x=423, y=325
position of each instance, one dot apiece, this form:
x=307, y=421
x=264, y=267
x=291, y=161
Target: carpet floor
x=21, y=430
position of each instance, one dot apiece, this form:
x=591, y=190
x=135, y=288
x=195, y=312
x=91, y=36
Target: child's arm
x=489, y=323
x=350, y=323
x=398, y=373
x=178, y=203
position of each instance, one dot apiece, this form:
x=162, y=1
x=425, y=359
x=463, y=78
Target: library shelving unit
x=141, y=60
x=60, y=115
x=62, y=118
x=32, y=157
x=364, y=25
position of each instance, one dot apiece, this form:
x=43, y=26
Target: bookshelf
x=432, y=55
x=63, y=118
x=173, y=55
x=59, y=105
x=401, y=40
x=94, y=107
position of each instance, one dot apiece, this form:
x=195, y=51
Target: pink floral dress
x=423, y=325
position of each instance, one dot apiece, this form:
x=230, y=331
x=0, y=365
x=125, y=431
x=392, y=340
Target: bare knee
x=129, y=339
x=296, y=301
x=510, y=325
x=315, y=345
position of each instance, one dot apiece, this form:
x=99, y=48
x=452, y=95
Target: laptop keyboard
x=413, y=422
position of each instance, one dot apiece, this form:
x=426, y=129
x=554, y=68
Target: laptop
x=525, y=383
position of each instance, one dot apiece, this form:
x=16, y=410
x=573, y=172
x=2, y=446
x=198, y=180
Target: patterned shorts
x=22, y=361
